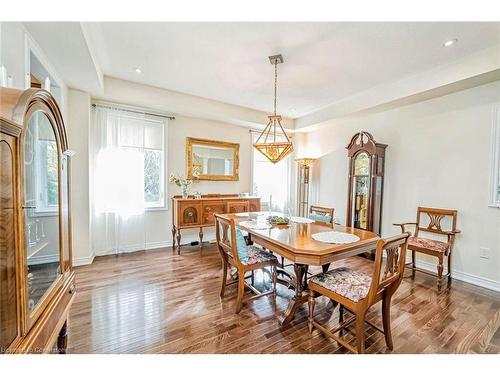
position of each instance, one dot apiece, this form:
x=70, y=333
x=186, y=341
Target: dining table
x=294, y=241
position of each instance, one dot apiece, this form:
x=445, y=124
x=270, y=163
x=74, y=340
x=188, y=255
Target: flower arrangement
x=183, y=182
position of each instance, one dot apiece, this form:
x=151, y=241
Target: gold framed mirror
x=212, y=160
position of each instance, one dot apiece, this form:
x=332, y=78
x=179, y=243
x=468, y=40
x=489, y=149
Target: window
x=41, y=163
x=270, y=181
x=48, y=188
x=129, y=149
x=495, y=173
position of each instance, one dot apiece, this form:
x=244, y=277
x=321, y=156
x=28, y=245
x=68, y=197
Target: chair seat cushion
x=319, y=217
x=426, y=243
x=257, y=255
x=344, y=281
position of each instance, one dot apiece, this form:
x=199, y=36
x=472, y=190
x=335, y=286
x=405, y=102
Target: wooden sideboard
x=189, y=213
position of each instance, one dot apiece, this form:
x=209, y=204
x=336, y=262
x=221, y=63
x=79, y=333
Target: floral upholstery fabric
x=257, y=255
x=346, y=282
x=427, y=243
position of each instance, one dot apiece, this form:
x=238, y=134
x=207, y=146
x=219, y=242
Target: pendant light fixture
x=273, y=142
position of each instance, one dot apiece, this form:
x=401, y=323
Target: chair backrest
x=435, y=216
x=322, y=211
x=225, y=234
x=388, y=275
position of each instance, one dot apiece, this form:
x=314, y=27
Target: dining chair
x=321, y=214
x=433, y=247
x=245, y=258
x=356, y=291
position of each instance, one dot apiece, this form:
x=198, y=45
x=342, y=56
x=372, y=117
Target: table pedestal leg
x=301, y=295
x=325, y=267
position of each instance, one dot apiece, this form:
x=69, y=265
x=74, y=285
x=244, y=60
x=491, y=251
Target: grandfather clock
x=366, y=182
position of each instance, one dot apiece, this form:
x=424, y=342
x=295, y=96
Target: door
x=41, y=211
x=360, y=191
x=8, y=285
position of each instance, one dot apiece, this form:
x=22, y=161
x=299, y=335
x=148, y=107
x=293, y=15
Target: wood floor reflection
x=156, y=301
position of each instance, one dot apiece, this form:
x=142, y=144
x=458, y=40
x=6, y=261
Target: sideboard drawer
x=254, y=205
x=237, y=206
x=210, y=208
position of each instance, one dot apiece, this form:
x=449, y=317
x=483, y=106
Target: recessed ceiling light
x=450, y=42
x=138, y=70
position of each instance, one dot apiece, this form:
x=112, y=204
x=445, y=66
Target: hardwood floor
x=156, y=301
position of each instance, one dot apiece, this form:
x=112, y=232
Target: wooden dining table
x=294, y=242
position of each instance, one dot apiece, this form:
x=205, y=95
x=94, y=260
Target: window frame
x=495, y=161
x=163, y=168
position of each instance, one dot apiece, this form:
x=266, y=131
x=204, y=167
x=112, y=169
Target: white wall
x=155, y=98
x=13, y=55
x=77, y=128
x=438, y=155
x=12, y=51
x=158, y=222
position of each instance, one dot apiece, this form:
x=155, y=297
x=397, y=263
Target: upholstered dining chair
x=356, y=291
x=321, y=214
x=245, y=258
x=433, y=247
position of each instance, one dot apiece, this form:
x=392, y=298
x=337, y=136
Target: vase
x=185, y=193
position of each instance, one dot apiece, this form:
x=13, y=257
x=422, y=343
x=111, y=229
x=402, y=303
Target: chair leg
x=241, y=291
x=449, y=268
x=311, y=304
x=413, y=263
x=440, y=272
x=386, y=319
x=253, y=278
x=224, y=278
x=360, y=332
x=341, y=313
x=275, y=279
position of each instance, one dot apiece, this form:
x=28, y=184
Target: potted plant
x=183, y=182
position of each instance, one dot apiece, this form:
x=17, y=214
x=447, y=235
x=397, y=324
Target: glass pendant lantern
x=273, y=142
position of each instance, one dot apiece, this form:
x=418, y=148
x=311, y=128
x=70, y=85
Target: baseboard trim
x=134, y=248
x=83, y=261
x=158, y=245
x=463, y=276
x=42, y=259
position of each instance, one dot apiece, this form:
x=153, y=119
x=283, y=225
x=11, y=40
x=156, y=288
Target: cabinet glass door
x=361, y=182
x=8, y=300
x=41, y=207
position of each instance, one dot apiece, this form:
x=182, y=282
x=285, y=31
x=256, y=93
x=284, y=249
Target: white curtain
x=117, y=181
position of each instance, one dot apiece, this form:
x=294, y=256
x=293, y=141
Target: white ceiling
x=324, y=62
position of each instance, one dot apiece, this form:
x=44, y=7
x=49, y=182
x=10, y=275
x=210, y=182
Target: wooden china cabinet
x=366, y=182
x=36, y=277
